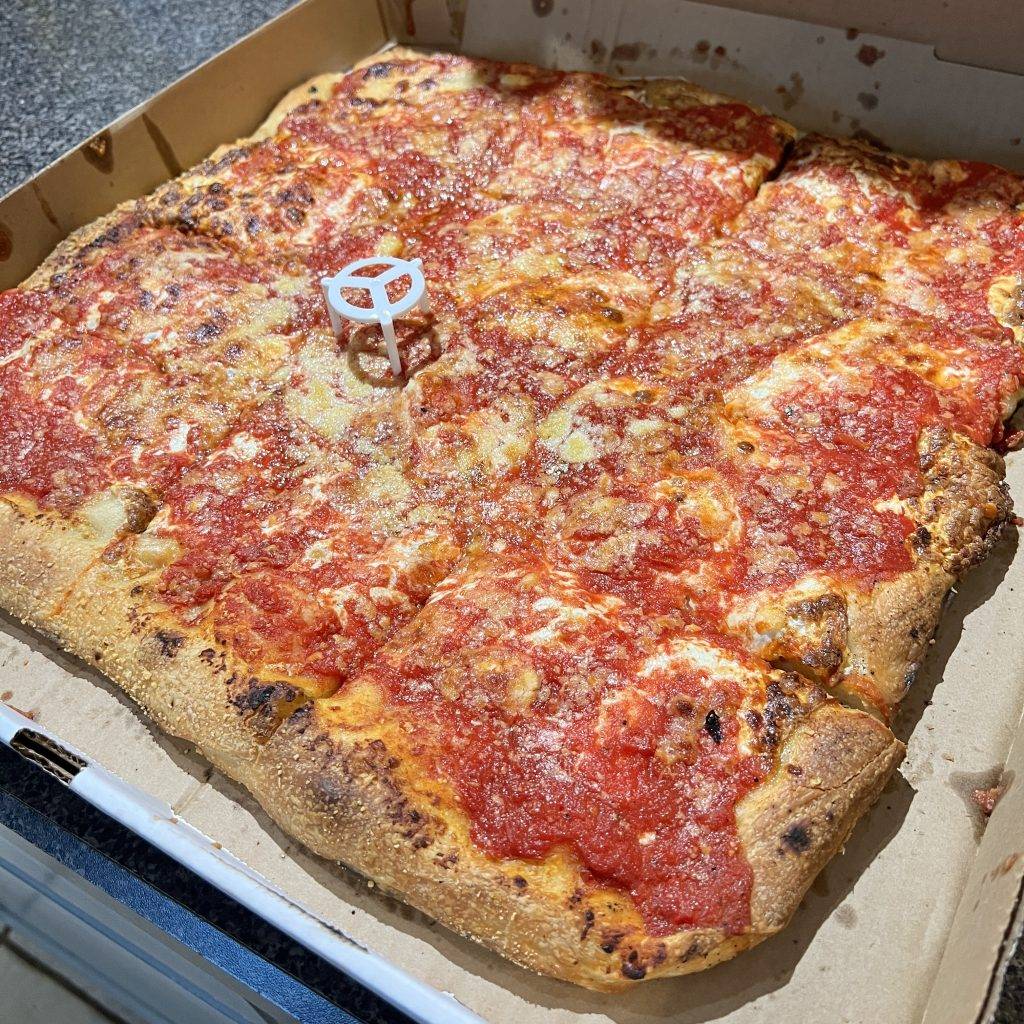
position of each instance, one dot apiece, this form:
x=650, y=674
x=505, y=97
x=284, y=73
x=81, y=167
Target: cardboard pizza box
x=915, y=920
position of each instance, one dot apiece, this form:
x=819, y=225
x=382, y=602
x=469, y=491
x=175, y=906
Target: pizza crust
x=41, y=556
x=962, y=513
x=189, y=684
x=830, y=771
x=96, y=235
x=54, y=577
x=865, y=645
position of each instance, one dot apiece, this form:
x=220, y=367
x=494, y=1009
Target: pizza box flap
x=867, y=943
x=990, y=915
x=156, y=821
x=959, y=31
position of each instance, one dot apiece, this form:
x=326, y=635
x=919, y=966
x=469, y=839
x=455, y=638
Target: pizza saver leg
x=381, y=310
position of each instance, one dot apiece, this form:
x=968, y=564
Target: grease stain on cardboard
x=44, y=206
x=163, y=147
x=793, y=93
x=628, y=51
x=704, y=53
x=1005, y=866
x=869, y=55
x=99, y=151
x=845, y=916
x=964, y=784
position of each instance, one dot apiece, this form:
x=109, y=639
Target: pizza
x=583, y=636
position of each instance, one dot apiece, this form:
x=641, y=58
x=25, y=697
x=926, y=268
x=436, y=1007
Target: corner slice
x=598, y=796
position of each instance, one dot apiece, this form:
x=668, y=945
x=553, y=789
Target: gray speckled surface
x=1011, y=1001
x=68, y=67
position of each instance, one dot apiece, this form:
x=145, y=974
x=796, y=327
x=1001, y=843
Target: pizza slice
x=273, y=568
x=940, y=240
x=392, y=157
x=130, y=356
x=873, y=496
x=443, y=132
x=276, y=197
x=302, y=555
x=819, y=509
x=598, y=793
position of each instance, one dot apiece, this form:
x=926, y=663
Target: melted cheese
x=327, y=394
x=156, y=551
x=106, y=515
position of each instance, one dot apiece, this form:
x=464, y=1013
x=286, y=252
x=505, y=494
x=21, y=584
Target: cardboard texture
x=988, y=917
x=915, y=918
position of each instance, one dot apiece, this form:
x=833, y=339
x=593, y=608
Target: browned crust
x=830, y=771
x=654, y=92
x=310, y=90
x=657, y=92
x=865, y=646
x=106, y=230
x=42, y=554
x=315, y=88
x=53, y=576
x=190, y=685
x=341, y=794
x=98, y=234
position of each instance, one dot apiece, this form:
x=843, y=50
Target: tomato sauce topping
x=842, y=453
x=148, y=334
x=44, y=453
x=24, y=314
x=78, y=416
x=309, y=569
x=928, y=239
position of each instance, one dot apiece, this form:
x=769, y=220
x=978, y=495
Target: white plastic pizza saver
x=381, y=309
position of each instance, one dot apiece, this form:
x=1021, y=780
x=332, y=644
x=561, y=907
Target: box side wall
x=226, y=98
x=221, y=100
x=986, y=35
x=987, y=922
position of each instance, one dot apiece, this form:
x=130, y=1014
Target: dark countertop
x=67, y=68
